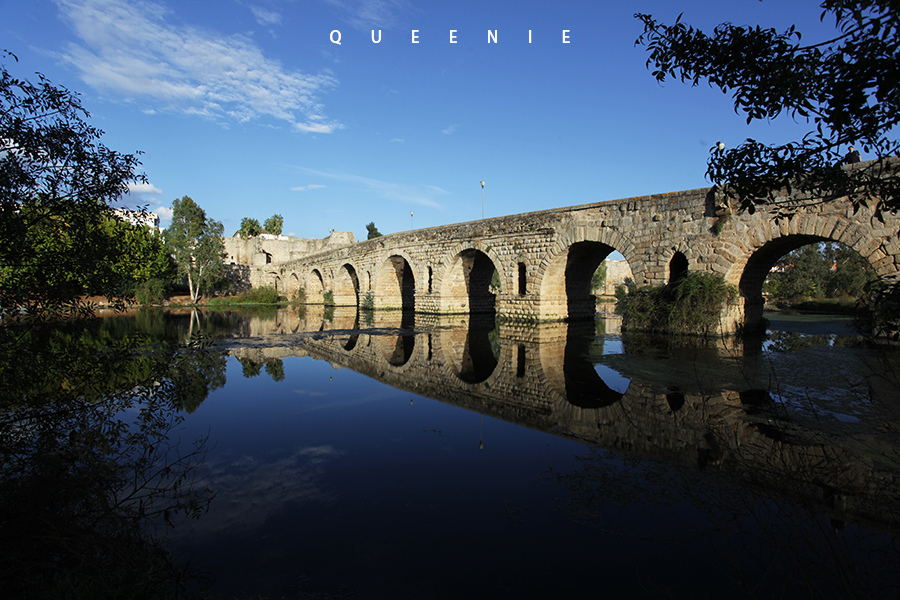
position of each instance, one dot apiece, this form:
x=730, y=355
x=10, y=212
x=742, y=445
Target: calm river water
x=390, y=457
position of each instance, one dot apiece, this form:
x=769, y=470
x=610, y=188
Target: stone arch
x=293, y=284
x=465, y=281
x=769, y=242
x=564, y=277
x=346, y=286
x=314, y=286
x=395, y=283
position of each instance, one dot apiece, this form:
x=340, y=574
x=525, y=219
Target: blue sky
x=249, y=107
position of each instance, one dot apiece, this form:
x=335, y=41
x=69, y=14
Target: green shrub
x=264, y=294
x=152, y=291
x=328, y=298
x=368, y=302
x=692, y=305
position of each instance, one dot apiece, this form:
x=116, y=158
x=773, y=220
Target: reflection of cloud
x=310, y=393
x=250, y=491
x=131, y=50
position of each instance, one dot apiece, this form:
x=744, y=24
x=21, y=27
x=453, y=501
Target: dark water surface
x=456, y=459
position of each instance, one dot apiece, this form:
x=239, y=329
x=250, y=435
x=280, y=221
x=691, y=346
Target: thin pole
x=482, y=200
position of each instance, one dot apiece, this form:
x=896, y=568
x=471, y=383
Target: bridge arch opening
x=396, y=285
x=293, y=284
x=678, y=267
x=523, y=286
x=801, y=266
x=467, y=284
x=315, y=286
x=581, y=264
x=346, y=287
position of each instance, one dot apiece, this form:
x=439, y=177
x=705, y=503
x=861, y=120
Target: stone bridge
x=545, y=259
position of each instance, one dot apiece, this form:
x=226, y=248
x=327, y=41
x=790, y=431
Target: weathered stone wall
x=268, y=249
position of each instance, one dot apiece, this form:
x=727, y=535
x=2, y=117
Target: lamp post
x=482, y=200
x=410, y=219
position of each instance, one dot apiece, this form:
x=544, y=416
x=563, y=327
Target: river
x=390, y=456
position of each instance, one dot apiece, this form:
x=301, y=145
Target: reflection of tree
x=85, y=461
x=275, y=369
x=194, y=375
x=251, y=368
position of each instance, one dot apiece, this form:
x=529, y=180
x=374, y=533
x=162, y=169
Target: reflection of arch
x=465, y=286
x=397, y=350
x=471, y=353
x=481, y=351
x=395, y=284
x=584, y=386
x=346, y=287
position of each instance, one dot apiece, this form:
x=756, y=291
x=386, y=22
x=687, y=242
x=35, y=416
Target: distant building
x=266, y=248
x=618, y=272
x=136, y=217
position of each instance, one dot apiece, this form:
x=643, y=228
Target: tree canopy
x=249, y=228
x=274, y=224
x=824, y=270
x=56, y=182
x=373, y=231
x=847, y=89
x=196, y=242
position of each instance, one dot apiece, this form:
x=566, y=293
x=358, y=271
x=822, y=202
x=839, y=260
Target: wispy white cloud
x=264, y=16
x=165, y=214
x=450, y=130
x=422, y=195
x=131, y=51
x=366, y=15
x=306, y=188
x=398, y=140
x=143, y=187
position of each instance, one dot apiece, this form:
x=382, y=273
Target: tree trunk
x=191, y=289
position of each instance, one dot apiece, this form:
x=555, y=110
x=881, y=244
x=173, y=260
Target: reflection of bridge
x=545, y=259
x=541, y=377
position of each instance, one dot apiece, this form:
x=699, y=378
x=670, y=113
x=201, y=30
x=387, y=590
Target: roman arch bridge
x=545, y=259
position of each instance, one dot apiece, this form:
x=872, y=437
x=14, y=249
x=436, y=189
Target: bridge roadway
x=545, y=259
x=540, y=376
